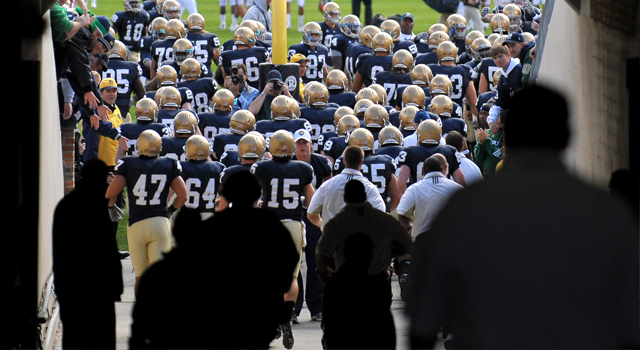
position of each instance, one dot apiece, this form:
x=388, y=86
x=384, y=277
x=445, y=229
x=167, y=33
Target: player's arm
x=153, y=68
x=308, y=193
x=403, y=177
x=180, y=189
x=358, y=80
x=394, y=193
x=483, y=84
x=115, y=187
x=458, y=176
x=472, y=97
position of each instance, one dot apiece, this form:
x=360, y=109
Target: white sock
x=288, y=19
x=234, y=19
x=223, y=18
x=301, y=20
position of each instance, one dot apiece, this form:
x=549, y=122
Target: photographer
x=237, y=83
x=261, y=106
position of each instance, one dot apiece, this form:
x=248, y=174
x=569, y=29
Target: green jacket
x=488, y=153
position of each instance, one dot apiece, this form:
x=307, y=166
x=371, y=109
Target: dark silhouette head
x=354, y=192
x=529, y=105
x=185, y=227
x=94, y=175
x=241, y=189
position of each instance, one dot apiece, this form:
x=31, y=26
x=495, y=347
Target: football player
x=162, y=50
x=441, y=85
x=392, y=27
x=156, y=31
x=334, y=146
x=349, y=33
x=330, y=27
x=146, y=118
x=443, y=107
x=217, y=120
x=282, y=118
x=183, y=49
x=169, y=100
x=185, y=125
x=390, y=142
x=251, y=149
x=356, y=49
x=339, y=113
x=368, y=65
x=286, y=189
x=399, y=75
x=201, y=176
x=412, y=158
x=313, y=49
x=127, y=75
x=246, y=52
x=338, y=85
x=149, y=229
x=168, y=76
x=241, y=123
x=317, y=113
x=434, y=40
x=131, y=25
x=420, y=76
x=202, y=87
x=457, y=25
x=206, y=45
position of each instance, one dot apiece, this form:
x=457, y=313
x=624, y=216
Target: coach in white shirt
x=328, y=200
x=424, y=199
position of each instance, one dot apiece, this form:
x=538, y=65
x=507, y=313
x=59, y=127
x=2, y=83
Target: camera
x=277, y=85
x=235, y=79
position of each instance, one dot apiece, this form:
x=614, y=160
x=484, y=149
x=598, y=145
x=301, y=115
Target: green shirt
x=60, y=23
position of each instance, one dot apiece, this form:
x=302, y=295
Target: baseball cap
x=513, y=38
x=407, y=15
x=301, y=134
x=103, y=58
x=298, y=57
x=108, y=41
x=274, y=75
x=108, y=83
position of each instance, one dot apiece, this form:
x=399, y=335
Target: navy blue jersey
x=283, y=186
x=334, y=147
x=396, y=100
x=319, y=58
x=408, y=45
x=347, y=98
x=339, y=44
x=251, y=57
x=457, y=109
x=377, y=168
x=487, y=68
x=508, y=85
x=173, y=147
x=162, y=50
x=232, y=169
x=202, y=178
x=353, y=52
x=148, y=183
x=202, y=90
x=203, y=46
x=321, y=121
x=414, y=157
x=328, y=33
x=370, y=65
x=460, y=43
x=203, y=69
x=392, y=82
x=130, y=26
x=325, y=137
x=230, y=158
x=422, y=48
x=453, y=124
x=132, y=130
x=214, y=123
x=426, y=58
x=225, y=142
x=125, y=73
x=392, y=151
x=268, y=127
x=460, y=77
x=145, y=56
x=148, y=5
x=167, y=116
x=321, y=169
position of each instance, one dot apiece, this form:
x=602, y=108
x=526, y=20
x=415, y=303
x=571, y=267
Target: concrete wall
x=587, y=61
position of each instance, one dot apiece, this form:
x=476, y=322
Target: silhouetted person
x=625, y=184
x=552, y=262
x=354, y=292
x=86, y=263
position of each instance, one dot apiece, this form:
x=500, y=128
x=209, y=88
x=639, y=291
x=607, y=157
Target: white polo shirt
x=328, y=200
x=425, y=198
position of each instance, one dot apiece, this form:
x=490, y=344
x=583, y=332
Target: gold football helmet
x=281, y=144
x=331, y=12
x=347, y=123
x=362, y=138
x=429, y=132
x=361, y=106
x=119, y=50
x=367, y=33
x=146, y=110
x=132, y=5
x=390, y=135
x=368, y=93
x=185, y=122
x=496, y=77
x=500, y=23
x=182, y=49
x=413, y=95
x=471, y=36
x=149, y=143
x=295, y=108
x=528, y=37
x=437, y=27
x=242, y=121
x=281, y=108
x=350, y=26
x=391, y=27
x=190, y=68
x=441, y=105
x=197, y=147
x=257, y=27
x=157, y=28
x=436, y=38
x=168, y=96
x=457, y=24
x=421, y=75
x=382, y=42
x=312, y=34
x=244, y=36
x=495, y=38
x=316, y=95
x=223, y=101
x=171, y=9
x=251, y=146
x=159, y=4
x=402, y=60
x=481, y=48
x=376, y=116
x=406, y=117
x=447, y=51
x=341, y=112
x=175, y=29
x=195, y=21
x=337, y=80
x=440, y=84
x=166, y=76
x=513, y=12
x=382, y=93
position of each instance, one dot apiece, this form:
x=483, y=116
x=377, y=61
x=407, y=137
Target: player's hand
x=124, y=143
x=91, y=100
x=115, y=213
